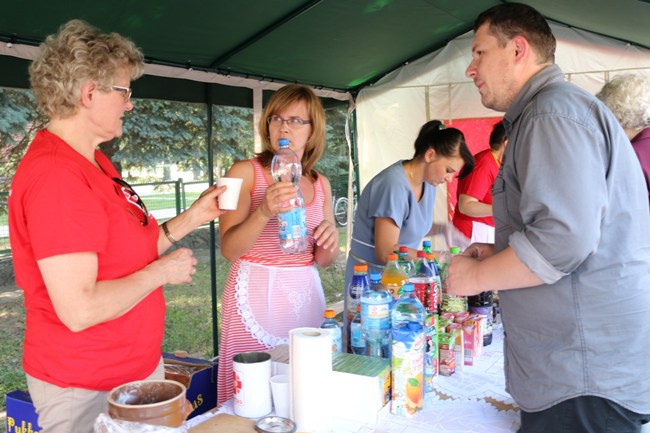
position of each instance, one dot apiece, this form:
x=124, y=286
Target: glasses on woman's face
x=126, y=92
x=136, y=205
x=292, y=122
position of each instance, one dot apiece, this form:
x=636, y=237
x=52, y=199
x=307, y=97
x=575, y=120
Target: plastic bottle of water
x=355, y=289
x=404, y=261
x=408, y=353
x=292, y=225
x=332, y=325
x=357, y=342
x=451, y=303
x=375, y=318
x=425, y=283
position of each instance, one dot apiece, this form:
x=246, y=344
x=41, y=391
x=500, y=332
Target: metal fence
x=164, y=200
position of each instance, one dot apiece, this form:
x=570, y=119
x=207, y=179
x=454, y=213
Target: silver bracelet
x=168, y=234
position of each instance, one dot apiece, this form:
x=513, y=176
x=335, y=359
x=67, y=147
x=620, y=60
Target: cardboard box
x=199, y=377
x=363, y=384
x=21, y=416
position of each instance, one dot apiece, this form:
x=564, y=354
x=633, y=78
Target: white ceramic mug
x=251, y=386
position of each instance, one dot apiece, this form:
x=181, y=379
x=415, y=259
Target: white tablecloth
x=472, y=400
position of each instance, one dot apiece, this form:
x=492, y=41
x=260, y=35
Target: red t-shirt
x=61, y=203
x=478, y=185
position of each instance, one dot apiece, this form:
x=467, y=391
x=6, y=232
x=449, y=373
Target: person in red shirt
x=473, y=216
x=86, y=252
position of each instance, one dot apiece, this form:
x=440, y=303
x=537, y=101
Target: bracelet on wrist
x=168, y=234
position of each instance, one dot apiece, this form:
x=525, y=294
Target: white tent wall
x=391, y=112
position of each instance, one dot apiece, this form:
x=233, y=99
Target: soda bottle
x=375, y=318
x=426, y=246
x=333, y=327
x=404, y=261
x=407, y=353
x=435, y=267
x=481, y=304
x=393, y=277
x=451, y=303
x=292, y=225
x=357, y=342
x=425, y=283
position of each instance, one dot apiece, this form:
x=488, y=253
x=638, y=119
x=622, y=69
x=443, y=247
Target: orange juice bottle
x=393, y=277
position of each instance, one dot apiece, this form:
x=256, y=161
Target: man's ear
x=521, y=46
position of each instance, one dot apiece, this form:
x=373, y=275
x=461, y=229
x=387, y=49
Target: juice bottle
x=393, y=277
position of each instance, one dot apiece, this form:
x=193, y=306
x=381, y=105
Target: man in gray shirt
x=571, y=259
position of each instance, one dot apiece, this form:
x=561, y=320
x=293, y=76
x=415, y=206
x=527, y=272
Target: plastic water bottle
x=408, y=353
x=292, y=225
x=355, y=289
x=424, y=282
x=332, y=325
x=357, y=342
x=375, y=318
x=451, y=303
x=393, y=276
x=404, y=261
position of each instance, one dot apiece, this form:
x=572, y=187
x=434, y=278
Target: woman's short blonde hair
x=628, y=96
x=76, y=54
x=315, y=146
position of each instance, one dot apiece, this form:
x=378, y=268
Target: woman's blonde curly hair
x=76, y=54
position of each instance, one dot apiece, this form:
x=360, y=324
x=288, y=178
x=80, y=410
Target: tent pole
x=213, y=253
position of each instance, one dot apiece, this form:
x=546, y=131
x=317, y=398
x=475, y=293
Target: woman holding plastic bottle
x=269, y=292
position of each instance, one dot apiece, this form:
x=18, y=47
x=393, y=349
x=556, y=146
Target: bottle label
x=292, y=224
x=375, y=316
x=355, y=335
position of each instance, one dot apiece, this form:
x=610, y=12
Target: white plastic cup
x=251, y=384
x=280, y=391
x=229, y=198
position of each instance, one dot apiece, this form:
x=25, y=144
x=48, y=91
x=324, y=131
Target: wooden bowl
x=156, y=402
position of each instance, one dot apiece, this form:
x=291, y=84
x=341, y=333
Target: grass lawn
x=188, y=324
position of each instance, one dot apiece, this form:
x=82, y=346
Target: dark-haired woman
x=396, y=207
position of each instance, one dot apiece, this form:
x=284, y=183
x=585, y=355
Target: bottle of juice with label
x=393, y=277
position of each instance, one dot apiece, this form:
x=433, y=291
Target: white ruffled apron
x=283, y=299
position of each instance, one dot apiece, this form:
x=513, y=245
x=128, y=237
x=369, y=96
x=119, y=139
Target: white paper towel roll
x=310, y=369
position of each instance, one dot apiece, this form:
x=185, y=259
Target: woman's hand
x=206, y=207
x=177, y=267
x=278, y=198
x=326, y=236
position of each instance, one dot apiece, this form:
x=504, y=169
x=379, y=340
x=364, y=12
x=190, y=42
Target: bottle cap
x=360, y=268
x=422, y=254
x=330, y=314
x=283, y=142
x=430, y=256
x=363, y=267
x=375, y=277
x=403, y=249
x=392, y=256
x=426, y=243
x=408, y=287
x=454, y=250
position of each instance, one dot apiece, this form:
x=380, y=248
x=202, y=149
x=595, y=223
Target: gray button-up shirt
x=571, y=200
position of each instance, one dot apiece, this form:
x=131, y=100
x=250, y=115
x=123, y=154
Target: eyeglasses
x=136, y=205
x=292, y=122
x=126, y=92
